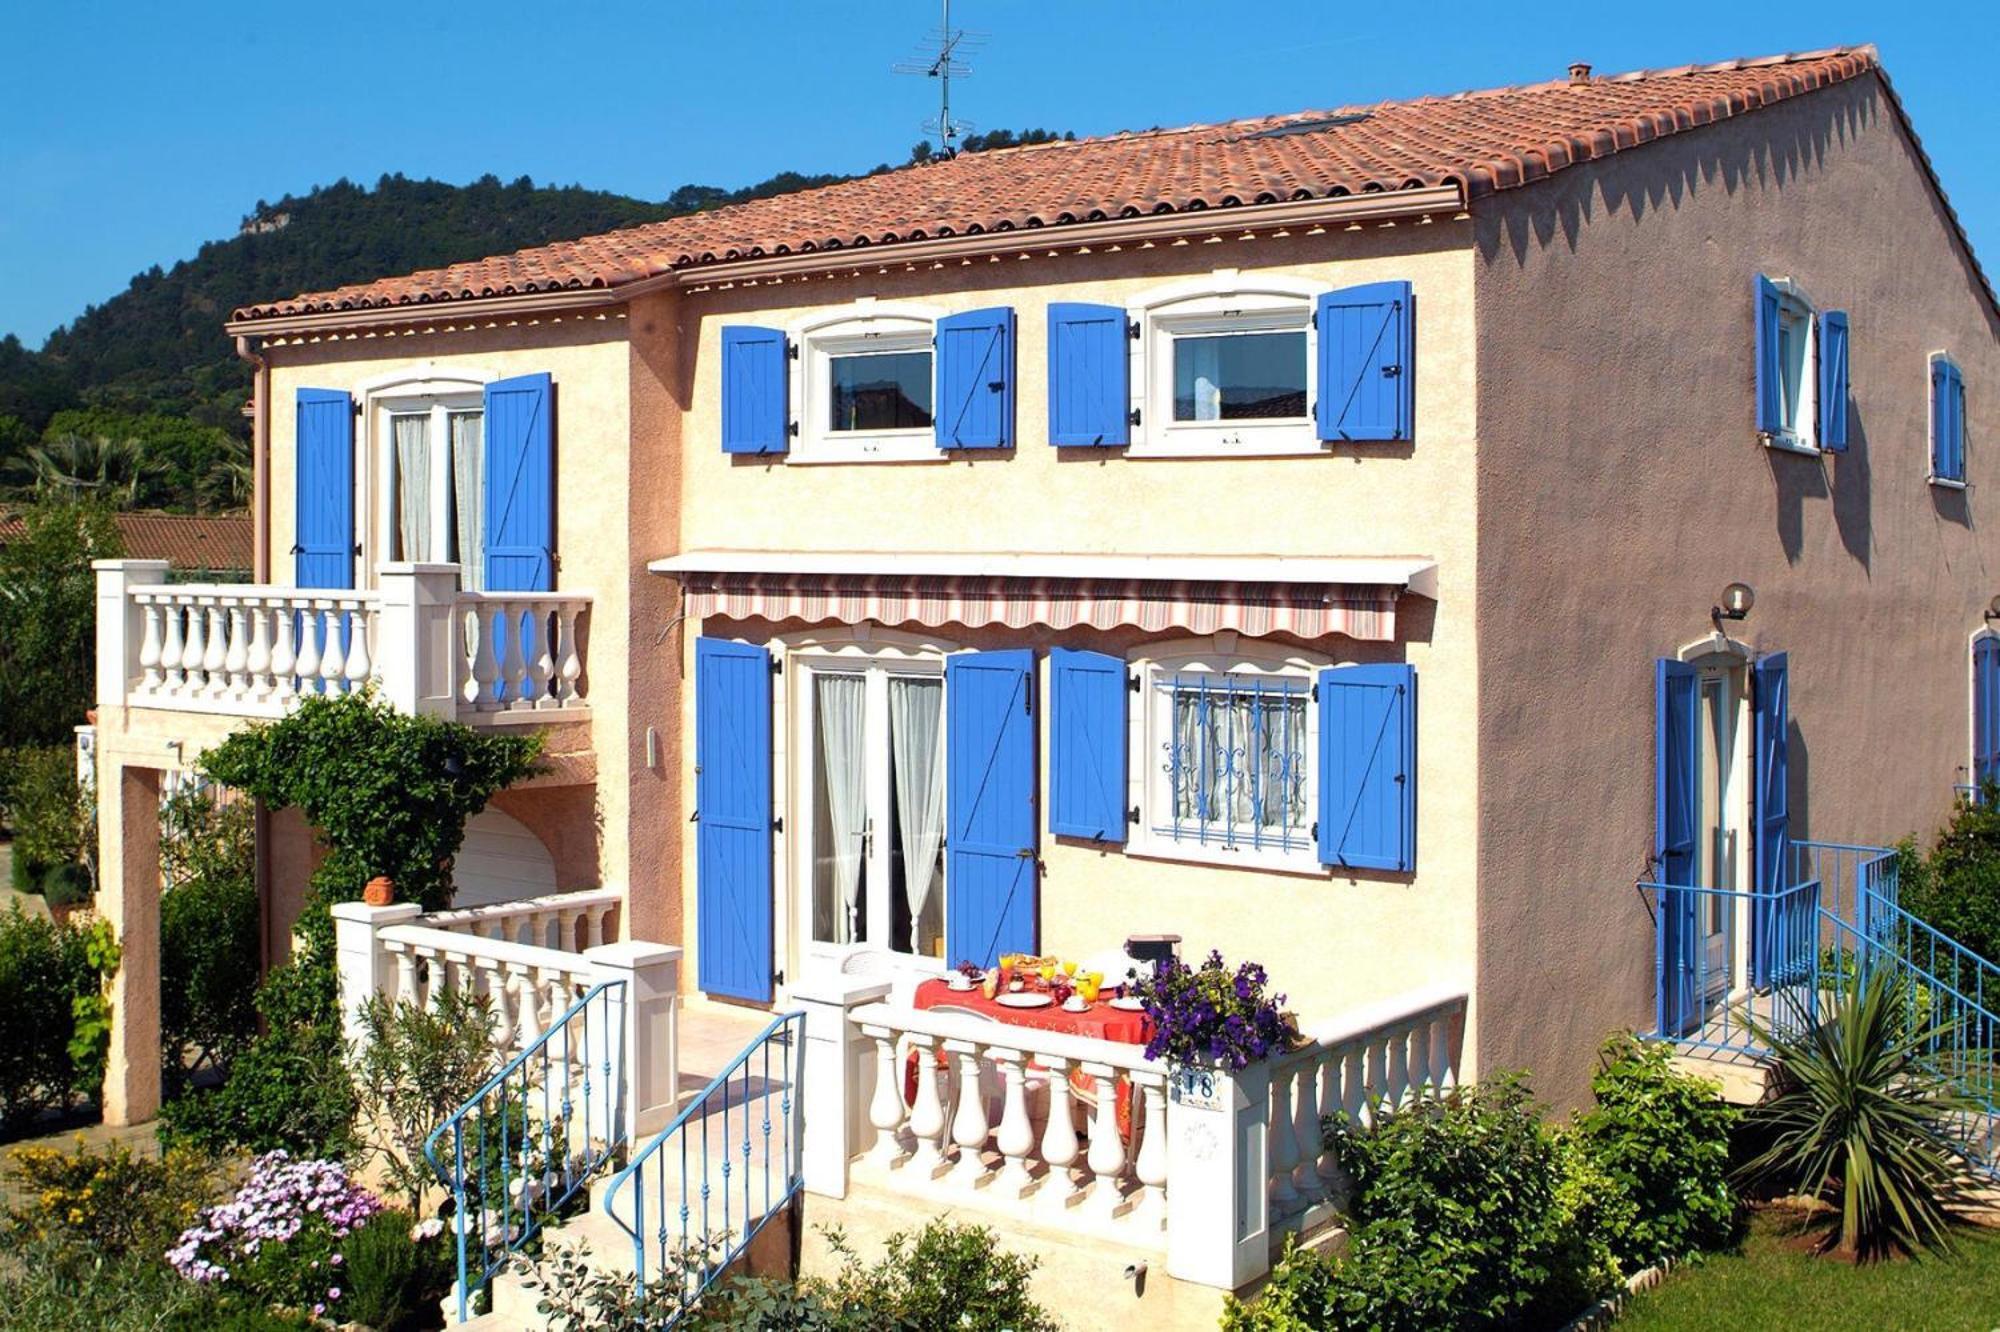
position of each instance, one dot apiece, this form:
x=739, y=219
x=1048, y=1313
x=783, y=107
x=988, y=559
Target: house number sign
x=1196, y=1088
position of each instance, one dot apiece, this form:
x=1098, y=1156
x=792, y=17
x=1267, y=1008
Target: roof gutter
x=1076, y=237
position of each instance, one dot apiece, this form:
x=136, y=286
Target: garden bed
x=1773, y=1282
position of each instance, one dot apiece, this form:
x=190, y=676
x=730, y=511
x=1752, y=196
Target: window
x=1225, y=767
x=1947, y=422
x=1226, y=370
x=1801, y=362
x=436, y=466
x=866, y=379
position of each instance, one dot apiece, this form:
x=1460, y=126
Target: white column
x=417, y=656
x=365, y=969
x=651, y=1056
x=839, y=1077
x=120, y=624
x=1218, y=1210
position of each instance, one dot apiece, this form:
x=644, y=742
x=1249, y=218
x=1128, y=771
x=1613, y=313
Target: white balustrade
x=227, y=647
x=567, y=922
x=521, y=655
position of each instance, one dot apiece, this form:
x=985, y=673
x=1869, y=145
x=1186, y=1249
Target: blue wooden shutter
x=1770, y=691
x=989, y=797
x=1090, y=376
x=1087, y=694
x=1947, y=420
x=1769, y=374
x=324, y=553
x=756, y=390
x=1833, y=381
x=1368, y=767
x=1676, y=837
x=732, y=785
x=975, y=380
x=1985, y=714
x=1367, y=362
x=520, y=485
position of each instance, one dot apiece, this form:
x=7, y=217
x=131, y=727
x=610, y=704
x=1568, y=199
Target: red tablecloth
x=1100, y=1020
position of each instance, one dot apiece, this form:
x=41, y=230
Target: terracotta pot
x=381, y=891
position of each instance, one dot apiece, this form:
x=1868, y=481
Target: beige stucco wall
x=1621, y=486
x=1328, y=941
x=596, y=493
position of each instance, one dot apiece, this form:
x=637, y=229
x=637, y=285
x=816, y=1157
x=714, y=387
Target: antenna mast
x=942, y=58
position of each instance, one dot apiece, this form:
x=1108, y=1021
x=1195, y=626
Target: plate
x=1127, y=1004
x=1023, y=999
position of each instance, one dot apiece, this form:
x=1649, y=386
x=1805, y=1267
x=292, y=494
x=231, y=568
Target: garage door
x=501, y=861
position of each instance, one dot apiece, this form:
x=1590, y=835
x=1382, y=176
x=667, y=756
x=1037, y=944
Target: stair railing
x=516, y=1153
x=704, y=1188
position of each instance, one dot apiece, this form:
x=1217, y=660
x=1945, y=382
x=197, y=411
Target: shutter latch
x=1132, y=682
x=1134, y=418
x=1132, y=329
x=791, y=350
x=1132, y=816
x=1391, y=371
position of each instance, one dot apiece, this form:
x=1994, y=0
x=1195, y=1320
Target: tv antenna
x=943, y=57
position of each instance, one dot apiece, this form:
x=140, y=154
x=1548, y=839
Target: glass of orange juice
x=1069, y=967
x=1048, y=972
x=1087, y=985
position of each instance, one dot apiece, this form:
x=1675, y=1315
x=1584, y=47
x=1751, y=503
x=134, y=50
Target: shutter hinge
x=1132, y=329
x=355, y=403
x=1134, y=418
x=1132, y=816
x=778, y=823
x=777, y=665
x=791, y=350
x=778, y=976
x=1315, y=831
x=1132, y=682
x=1315, y=693
x=1027, y=703
x=357, y=548
x=792, y=429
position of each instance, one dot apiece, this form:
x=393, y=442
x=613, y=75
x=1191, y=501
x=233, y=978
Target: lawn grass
x=1772, y=1285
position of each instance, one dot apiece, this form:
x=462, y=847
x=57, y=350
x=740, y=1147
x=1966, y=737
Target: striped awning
x=1253, y=607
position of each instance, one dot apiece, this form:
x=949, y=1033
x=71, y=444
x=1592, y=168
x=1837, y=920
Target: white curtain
x=838, y=704
x=413, y=486
x=1241, y=757
x=916, y=708
x=468, y=495
x=1198, y=379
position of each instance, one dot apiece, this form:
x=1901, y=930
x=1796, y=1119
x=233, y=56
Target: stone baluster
x=284, y=654
x=528, y=1000
x=171, y=655
x=1398, y=1087
x=927, y=1122
x=358, y=667
x=1150, y=1124
x=1305, y=1130
x=406, y=974
x=1058, y=1139
x=570, y=671
x=1420, y=1056
x=885, y=1107
x=150, y=646
x=306, y=664
x=257, y=660
x=1284, y=1147
x=1376, y=1089
x=333, y=648
x=238, y=658
x=506, y=1017
x=1442, y=1072
x=1333, y=1096
x=217, y=654
x=969, y=1128
x=1016, y=1137
x=515, y=668
x=194, y=651
x=542, y=670
x=1107, y=1150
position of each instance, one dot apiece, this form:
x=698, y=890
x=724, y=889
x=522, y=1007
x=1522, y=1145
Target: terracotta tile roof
x=184, y=540
x=1479, y=141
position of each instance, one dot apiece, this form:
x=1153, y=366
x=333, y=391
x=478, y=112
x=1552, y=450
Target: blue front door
x=733, y=818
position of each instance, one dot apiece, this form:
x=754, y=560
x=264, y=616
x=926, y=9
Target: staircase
x=694, y=1202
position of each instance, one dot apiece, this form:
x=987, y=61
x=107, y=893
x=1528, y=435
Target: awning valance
x=1303, y=598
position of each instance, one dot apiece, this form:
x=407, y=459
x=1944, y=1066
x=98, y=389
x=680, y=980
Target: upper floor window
x=1947, y=414
x=1225, y=370
x=437, y=479
x=1801, y=370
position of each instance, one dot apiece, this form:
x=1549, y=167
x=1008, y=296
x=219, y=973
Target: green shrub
x=1662, y=1138
x=1301, y=1295
x=87, y=1205
x=40, y=1289
x=1860, y=1117
x=48, y=813
x=210, y=925
x=417, y=1064
x=394, y=1279
x=67, y=886
x=48, y=620
x=946, y=1278
x=1956, y=887
x=44, y=969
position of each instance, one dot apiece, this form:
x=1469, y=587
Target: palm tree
x=115, y=471
x=1860, y=1116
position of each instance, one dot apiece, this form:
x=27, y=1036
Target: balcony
x=250, y=650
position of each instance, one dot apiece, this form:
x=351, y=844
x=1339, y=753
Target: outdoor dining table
x=1100, y=1020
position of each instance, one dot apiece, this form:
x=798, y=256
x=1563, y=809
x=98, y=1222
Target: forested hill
x=157, y=349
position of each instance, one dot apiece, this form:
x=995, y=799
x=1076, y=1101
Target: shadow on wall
x=1798, y=783
x=1950, y=504
x=1730, y=161
x=1852, y=478
x=1795, y=478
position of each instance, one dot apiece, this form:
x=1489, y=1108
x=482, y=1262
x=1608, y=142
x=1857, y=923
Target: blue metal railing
x=1853, y=876
x=1702, y=948
x=516, y=1153
x=702, y=1190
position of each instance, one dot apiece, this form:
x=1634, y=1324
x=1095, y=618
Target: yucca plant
x=1858, y=1116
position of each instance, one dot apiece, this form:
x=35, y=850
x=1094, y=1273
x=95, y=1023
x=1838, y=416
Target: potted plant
x=380, y=892
x=1213, y=1016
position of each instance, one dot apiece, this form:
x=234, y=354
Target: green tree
x=48, y=619
x=113, y=470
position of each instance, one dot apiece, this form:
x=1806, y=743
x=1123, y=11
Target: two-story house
x=1370, y=542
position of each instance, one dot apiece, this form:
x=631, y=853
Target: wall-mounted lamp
x=1993, y=609
x=1737, y=599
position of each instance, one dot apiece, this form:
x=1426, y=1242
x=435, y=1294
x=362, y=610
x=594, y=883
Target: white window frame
x=424, y=386
x=1930, y=425
x=1225, y=301
x=1801, y=433
x=849, y=648
x=1149, y=788
x=1972, y=642
x=863, y=326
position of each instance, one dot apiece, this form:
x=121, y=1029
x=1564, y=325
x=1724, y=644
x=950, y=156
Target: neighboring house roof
x=183, y=540
x=1477, y=142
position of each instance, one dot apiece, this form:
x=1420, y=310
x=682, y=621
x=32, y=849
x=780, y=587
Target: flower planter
x=380, y=892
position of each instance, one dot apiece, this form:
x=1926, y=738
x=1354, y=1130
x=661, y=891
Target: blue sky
x=132, y=132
